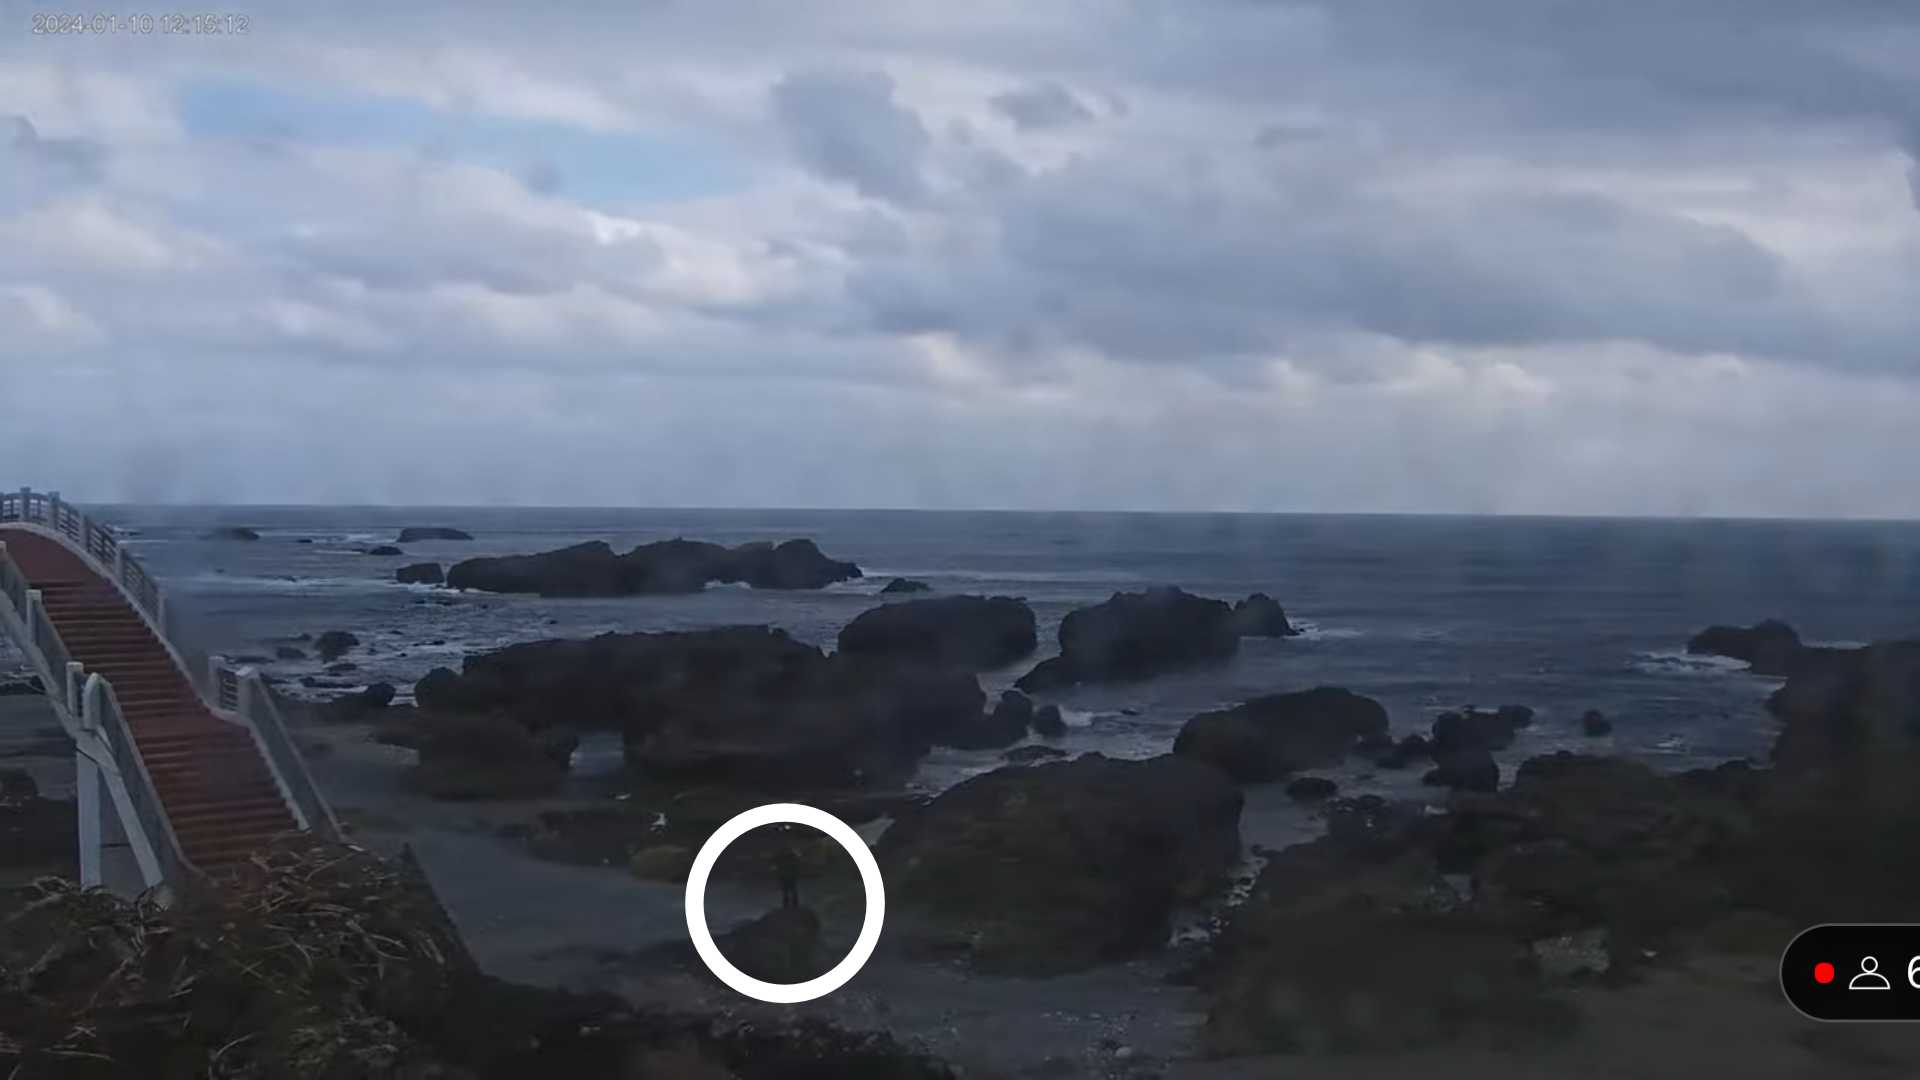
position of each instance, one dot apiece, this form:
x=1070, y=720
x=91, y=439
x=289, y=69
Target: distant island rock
x=233, y=532
x=972, y=631
x=414, y=533
x=385, y=549
x=1260, y=615
x=668, y=566
x=905, y=585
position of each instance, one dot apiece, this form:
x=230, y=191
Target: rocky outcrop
x=413, y=533
x=423, y=573
x=967, y=631
x=1272, y=736
x=1260, y=615
x=1467, y=768
x=781, y=946
x=1850, y=707
x=1135, y=636
x=668, y=566
x=1059, y=866
x=489, y=757
x=385, y=550
x=1312, y=789
x=1595, y=723
x=905, y=585
x=1771, y=647
x=1475, y=729
x=333, y=644
x=743, y=704
x=233, y=532
x=1048, y=723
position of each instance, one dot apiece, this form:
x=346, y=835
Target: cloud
x=1042, y=107
x=848, y=127
x=1493, y=255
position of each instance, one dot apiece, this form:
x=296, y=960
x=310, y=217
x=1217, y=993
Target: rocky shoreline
x=1487, y=914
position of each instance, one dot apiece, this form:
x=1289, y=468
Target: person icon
x=1869, y=977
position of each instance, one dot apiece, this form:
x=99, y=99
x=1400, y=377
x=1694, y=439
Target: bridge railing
x=100, y=543
x=243, y=692
x=101, y=713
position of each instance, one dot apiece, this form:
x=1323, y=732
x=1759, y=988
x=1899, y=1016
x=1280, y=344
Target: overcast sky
x=1532, y=256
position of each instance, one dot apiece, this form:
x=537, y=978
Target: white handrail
x=238, y=697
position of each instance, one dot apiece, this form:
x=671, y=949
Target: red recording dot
x=1823, y=973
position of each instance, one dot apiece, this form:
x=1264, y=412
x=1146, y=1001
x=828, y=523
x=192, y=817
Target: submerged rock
x=334, y=644
x=1048, y=723
x=1135, y=636
x=970, y=631
x=668, y=566
x=1062, y=865
x=233, y=532
x=385, y=549
x=1595, y=723
x=1274, y=735
x=413, y=533
x=905, y=585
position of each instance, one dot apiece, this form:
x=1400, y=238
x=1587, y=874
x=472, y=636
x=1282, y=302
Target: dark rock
x=333, y=644
x=1027, y=755
x=342, y=667
x=1475, y=729
x=1048, y=723
x=1005, y=725
x=385, y=549
x=1405, y=752
x=1260, y=615
x=355, y=707
x=668, y=566
x=1469, y=768
x=288, y=652
x=1850, y=709
x=233, y=532
x=1595, y=723
x=1271, y=736
x=781, y=946
x=1312, y=789
x=1771, y=647
x=1135, y=636
x=746, y=705
x=1059, y=866
x=969, y=631
x=424, y=573
x=304, y=540
x=413, y=533
x=905, y=585
x=490, y=757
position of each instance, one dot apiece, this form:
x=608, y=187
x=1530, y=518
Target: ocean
x=1422, y=613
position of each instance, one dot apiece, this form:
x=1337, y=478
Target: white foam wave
x=1675, y=662
x=1313, y=631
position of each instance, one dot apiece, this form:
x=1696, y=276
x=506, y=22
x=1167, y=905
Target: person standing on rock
x=786, y=867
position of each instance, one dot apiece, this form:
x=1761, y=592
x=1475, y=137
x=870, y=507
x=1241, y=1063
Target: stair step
x=252, y=808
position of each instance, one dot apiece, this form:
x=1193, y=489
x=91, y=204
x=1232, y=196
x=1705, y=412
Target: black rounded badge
x=1854, y=971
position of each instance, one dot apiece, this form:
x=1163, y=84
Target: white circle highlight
x=863, y=945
